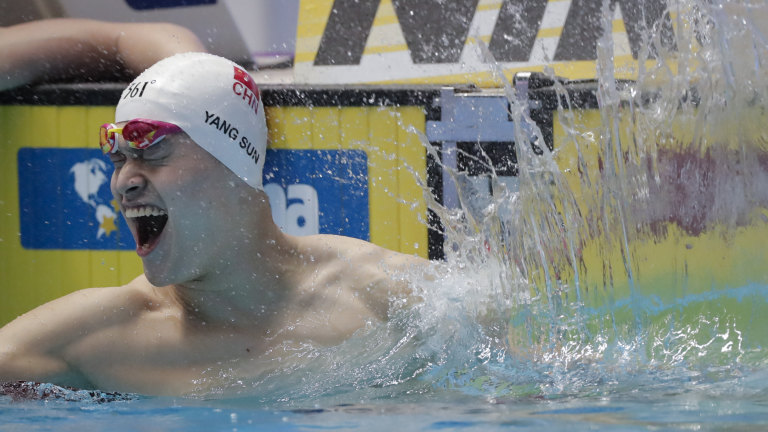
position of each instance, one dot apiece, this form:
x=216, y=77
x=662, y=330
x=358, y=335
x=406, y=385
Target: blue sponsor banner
x=340, y=179
x=65, y=201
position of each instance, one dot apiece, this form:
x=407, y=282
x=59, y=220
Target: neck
x=250, y=284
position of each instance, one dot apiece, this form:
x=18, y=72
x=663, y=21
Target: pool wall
x=343, y=160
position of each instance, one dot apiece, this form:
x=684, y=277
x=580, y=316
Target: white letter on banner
x=277, y=201
x=298, y=218
x=302, y=218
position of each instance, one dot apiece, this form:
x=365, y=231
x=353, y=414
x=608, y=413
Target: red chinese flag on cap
x=245, y=78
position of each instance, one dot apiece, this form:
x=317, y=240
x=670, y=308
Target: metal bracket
x=468, y=117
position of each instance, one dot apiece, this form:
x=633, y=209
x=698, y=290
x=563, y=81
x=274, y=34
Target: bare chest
x=163, y=357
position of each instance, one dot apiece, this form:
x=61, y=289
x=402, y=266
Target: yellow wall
x=31, y=277
x=396, y=158
x=397, y=209
x=662, y=265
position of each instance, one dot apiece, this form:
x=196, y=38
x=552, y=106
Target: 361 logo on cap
x=246, y=89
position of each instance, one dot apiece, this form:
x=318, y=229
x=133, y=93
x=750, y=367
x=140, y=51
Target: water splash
x=635, y=247
x=631, y=257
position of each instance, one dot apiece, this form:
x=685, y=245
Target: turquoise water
x=628, y=293
x=693, y=403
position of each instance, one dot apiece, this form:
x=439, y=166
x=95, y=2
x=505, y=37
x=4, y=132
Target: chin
x=161, y=277
x=158, y=279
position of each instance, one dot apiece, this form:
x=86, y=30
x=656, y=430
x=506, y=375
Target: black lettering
x=224, y=127
x=583, y=27
x=435, y=30
x=346, y=32
x=581, y=31
x=127, y=91
x=516, y=28
x=250, y=149
x=134, y=90
x=227, y=128
x=640, y=16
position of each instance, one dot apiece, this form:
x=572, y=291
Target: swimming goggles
x=138, y=134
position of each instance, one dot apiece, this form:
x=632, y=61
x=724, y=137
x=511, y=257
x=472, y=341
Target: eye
x=118, y=159
x=156, y=152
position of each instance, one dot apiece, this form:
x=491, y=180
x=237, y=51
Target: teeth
x=142, y=211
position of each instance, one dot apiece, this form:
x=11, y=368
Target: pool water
x=695, y=403
x=461, y=382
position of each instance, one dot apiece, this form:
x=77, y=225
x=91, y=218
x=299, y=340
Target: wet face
x=175, y=198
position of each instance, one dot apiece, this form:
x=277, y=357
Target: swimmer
x=223, y=288
x=62, y=49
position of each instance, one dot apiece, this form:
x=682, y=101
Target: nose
x=129, y=181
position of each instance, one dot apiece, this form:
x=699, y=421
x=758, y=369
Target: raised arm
x=66, y=48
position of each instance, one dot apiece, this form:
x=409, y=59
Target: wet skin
x=225, y=294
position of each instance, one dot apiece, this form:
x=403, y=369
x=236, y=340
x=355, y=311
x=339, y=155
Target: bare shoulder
x=377, y=275
x=57, y=322
x=358, y=255
x=35, y=345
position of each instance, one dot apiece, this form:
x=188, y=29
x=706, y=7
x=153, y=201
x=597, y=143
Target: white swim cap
x=213, y=100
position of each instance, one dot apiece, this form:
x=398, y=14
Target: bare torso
x=146, y=339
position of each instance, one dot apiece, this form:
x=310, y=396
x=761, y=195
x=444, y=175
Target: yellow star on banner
x=108, y=225
x=115, y=205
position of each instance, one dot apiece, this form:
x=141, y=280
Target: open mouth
x=149, y=222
